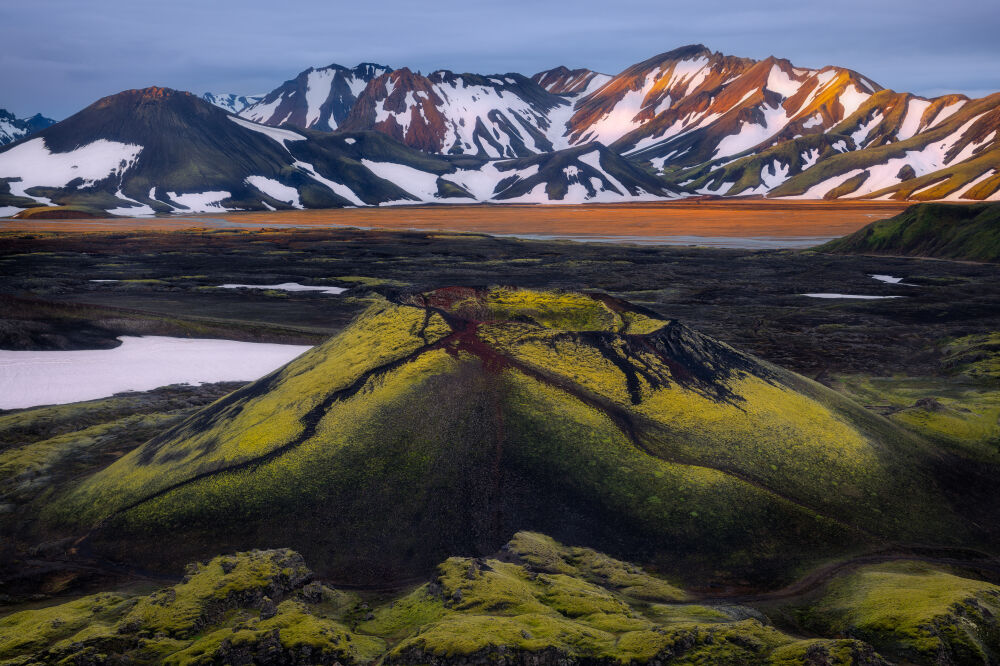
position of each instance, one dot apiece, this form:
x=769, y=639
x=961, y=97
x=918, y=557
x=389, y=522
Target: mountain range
x=687, y=122
x=13, y=128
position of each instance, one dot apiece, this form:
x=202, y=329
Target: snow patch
x=857, y=296
x=420, y=184
x=37, y=166
x=32, y=378
x=338, y=188
x=286, y=286
x=275, y=190
x=780, y=82
x=201, y=202
x=279, y=135
x=911, y=123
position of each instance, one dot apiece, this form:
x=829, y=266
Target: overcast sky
x=58, y=56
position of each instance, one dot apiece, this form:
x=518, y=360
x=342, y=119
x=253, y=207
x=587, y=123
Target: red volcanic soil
x=749, y=218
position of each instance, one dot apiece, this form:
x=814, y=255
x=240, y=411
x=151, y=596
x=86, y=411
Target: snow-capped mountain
x=13, y=128
x=564, y=81
x=686, y=122
x=498, y=116
x=231, y=102
x=318, y=98
x=115, y=156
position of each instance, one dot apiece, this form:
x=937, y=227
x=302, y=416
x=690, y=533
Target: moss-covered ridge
x=945, y=231
x=535, y=602
x=446, y=422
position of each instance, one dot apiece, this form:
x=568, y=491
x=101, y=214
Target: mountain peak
x=152, y=94
x=685, y=52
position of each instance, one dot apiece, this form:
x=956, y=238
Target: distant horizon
x=106, y=46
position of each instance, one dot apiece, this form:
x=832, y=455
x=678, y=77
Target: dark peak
x=332, y=65
x=371, y=69
x=151, y=95
x=561, y=70
x=685, y=52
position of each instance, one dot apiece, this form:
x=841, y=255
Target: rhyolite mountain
x=497, y=116
x=159, y=150
x=13, y=128
x=686, y=122
x=318, y=98
x=710, y=123
x=466, y=415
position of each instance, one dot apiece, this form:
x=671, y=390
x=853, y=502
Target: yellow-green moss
x=255, y=424
x=911, y=609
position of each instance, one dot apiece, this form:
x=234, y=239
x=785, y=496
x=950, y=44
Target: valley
x=683, y=222
x=681, y=395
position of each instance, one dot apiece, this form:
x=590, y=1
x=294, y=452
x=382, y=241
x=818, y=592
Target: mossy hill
x=943, y=231
x=466, y=415
x=535, y=601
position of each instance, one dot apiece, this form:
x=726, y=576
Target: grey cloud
x=98, y=47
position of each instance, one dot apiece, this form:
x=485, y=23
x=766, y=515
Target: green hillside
x=468, y=415
x=943, y=231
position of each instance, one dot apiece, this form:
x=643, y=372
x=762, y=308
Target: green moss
x=955, y=410
x=31, y=631
x=545, y=554
x=293, y=630
x=947, y=231
x=975, y=355
x=251, y=423
x=911, y=610
x=213, y=588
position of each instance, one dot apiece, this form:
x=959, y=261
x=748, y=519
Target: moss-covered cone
x=444, y=424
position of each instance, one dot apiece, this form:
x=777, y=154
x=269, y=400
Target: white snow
x=752, y=134
x=420, y=184
x=960, y=193
x=780, y=82
x=201, y=202
x=261, y=112
x=338, y=188
x=809, y=158
x=889, y=279
x=911, y=123
x=481, y=183
x=924, y=160
x=9, y=211
x=31, y=378
x=851, y=99
x=861, y=134
x=813, y=122
x=276, y=190
x=945, y=113
x=721, y=189
x=350, y=142
x=819, y=189
x=857, y=296
x=36, y=165
x=286, y=286
x=279, y=135
x=317, y=90
x=141, y=210
x=357, y=86
x=774, y=175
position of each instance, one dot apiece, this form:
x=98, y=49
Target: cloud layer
x=60, y=55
